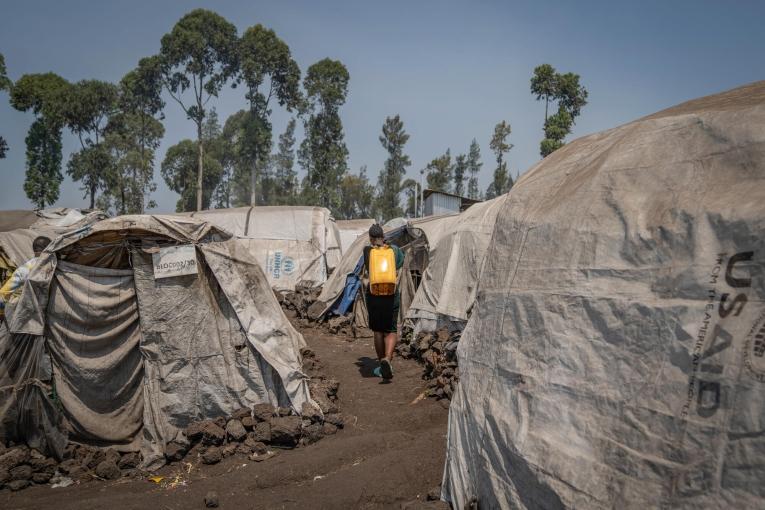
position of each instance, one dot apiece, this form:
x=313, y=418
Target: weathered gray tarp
x=136, y=359
x=16, y=247
x=350, y=230
x=18, y=229
x=293, y=244
x=25, y=410
x=457, y=250
x=93, y=337
x=615, y=355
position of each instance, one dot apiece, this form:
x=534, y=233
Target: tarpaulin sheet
x=293, y=244
x=615, y=356
x=448, y=286
x=350, y=230
x=26, y=412
x=93, y=334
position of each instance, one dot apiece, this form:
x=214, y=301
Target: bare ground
x=390, y=454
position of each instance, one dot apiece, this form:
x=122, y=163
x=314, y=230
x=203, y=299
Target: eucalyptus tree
x=44, y=95
x=323, y=154
x=268, y=72
x=199, y=55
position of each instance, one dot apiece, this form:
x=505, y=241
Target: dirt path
x=391, y=453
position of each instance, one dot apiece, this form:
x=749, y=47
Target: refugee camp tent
x=149, y=323
x=350, y=230
x=294, y=244
x=615, y=355
x=340, y=294
x=448, y=285
x=18, y=229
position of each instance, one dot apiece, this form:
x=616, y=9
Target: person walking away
x=382, y=262
x=11, y=290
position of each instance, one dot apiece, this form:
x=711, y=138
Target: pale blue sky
x=452, y=70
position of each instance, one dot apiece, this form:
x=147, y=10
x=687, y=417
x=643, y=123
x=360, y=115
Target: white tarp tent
x=350, y=230
x=615, y=355
x=136, y=358
x=293, y=244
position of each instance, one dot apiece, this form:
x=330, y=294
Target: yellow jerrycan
x=382, y=271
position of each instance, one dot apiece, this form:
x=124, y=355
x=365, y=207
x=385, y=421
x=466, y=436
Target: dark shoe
x=386, y=369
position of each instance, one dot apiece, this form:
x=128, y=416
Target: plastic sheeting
x=293, y=244
x=136, y=359
x=615, y=355
x=350, y=230
x=26, y=411
x=18, y=230
x=93, y=337
x=457, y=251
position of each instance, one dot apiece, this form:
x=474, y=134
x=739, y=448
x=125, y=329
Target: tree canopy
x=199, y=55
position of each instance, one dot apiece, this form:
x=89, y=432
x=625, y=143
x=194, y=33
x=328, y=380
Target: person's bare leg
x=380, y=344
x=390, y=345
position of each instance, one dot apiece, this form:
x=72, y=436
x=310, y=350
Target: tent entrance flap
x=94, y=340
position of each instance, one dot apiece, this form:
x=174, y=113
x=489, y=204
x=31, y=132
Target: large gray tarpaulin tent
x=293, y=244
x=615, y=356
x=413, y=236
x=438, y=281
x=134, y=358
x=448, y=285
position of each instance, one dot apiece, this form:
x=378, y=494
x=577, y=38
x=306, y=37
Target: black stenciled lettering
x=708, y=401
x=719, y=341
x=731, y=280
x=738, y=303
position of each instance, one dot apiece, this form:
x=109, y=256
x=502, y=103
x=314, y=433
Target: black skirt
x=383, y=312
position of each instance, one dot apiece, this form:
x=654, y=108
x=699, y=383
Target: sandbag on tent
x=293, y=244
x=615, y=357
x=448, y=286
x=136, y=356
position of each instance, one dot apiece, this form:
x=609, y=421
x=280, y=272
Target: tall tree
x=44, y=94
x=43, y=176
x=133, y=136
x=357, y=196
x=460, y=168
x=131, y=140
x=474, y=168
x=412, y=190
x=393, y=139
x=198, y=55
x=179, y=169
x=89, y=105
x=268, y=71
x=323, y=154
x=544, y=83
x=285, y=176
x=571, y=97
x=228, y=192
x=5, y=84
x=502, y=181
x=439, y=173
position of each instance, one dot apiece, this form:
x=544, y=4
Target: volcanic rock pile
x=438, y=353
x=301, y=304
x=253, y=432
x=21, y=466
